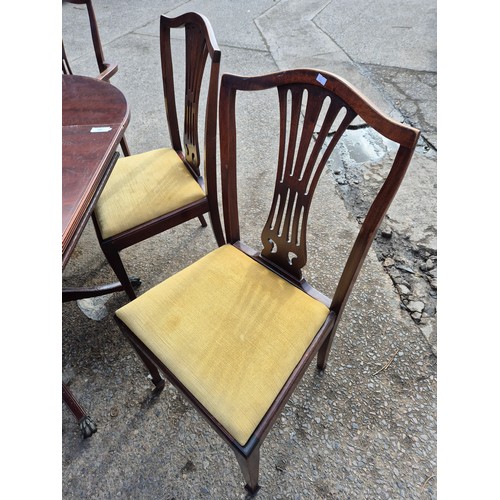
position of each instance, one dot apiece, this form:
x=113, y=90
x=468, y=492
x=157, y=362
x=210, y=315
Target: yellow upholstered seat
x=230, y=330
x=143, y=187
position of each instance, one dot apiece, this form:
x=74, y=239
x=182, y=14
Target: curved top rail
x=404, y=134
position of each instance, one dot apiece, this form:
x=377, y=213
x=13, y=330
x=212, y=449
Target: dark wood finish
x=106, y=69
x=284, y=235
x=88, y=158
x=201, y=46
x=85, y=422
x=285, y=230
x=250, y=468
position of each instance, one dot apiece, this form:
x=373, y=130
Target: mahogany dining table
x=95, y=115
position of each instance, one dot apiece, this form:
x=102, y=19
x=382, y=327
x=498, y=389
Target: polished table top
x=94, y=117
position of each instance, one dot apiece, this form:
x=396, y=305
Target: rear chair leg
x=202, y=220
x=324, y=351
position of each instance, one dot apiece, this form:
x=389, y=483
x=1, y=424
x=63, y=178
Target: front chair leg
x=116, y=264
x=114, y=260
x=153, y=370
x=250, y=468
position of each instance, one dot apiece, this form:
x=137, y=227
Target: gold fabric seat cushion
x=143, y=187
x=230, y=330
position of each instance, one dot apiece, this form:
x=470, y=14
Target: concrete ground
x=366, y=428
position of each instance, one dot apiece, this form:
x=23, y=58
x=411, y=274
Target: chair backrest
x=330, y=105
x=200, y=43
x=104, y=67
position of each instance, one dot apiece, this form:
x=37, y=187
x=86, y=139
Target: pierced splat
x=196, y=56
x=272, y=342
x=301, y=160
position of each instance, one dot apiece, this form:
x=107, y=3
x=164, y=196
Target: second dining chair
x=236, y=330
x=151, y=192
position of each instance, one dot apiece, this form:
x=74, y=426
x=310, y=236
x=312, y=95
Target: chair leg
x=153, y=370
x=114, y=260
x=124, y=146
x=250, y=468
x=158, y=381
x=324, y=351
x=202, y=220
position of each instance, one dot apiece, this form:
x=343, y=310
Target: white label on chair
x=101, y=129
x=321, y=79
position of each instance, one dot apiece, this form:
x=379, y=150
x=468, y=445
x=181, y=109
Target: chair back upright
x=200, y=44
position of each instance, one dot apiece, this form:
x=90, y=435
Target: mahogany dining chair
x=150, y=192
x=236, y=330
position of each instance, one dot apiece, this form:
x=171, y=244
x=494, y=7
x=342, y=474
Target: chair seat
x=230, y=330
x=143, y=187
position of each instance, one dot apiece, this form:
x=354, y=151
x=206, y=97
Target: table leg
x=78, y=293
x=87, y=425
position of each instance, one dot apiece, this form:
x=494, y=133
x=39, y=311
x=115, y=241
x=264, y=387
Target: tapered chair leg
x=155, y=374
x=202, y=220
x=114, y=260
x=124, y=146
x=250, y=468
x=158, y=381
x=324, y=352
x=116, y=264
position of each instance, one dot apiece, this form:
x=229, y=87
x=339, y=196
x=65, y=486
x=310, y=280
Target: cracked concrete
x=402, y=83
